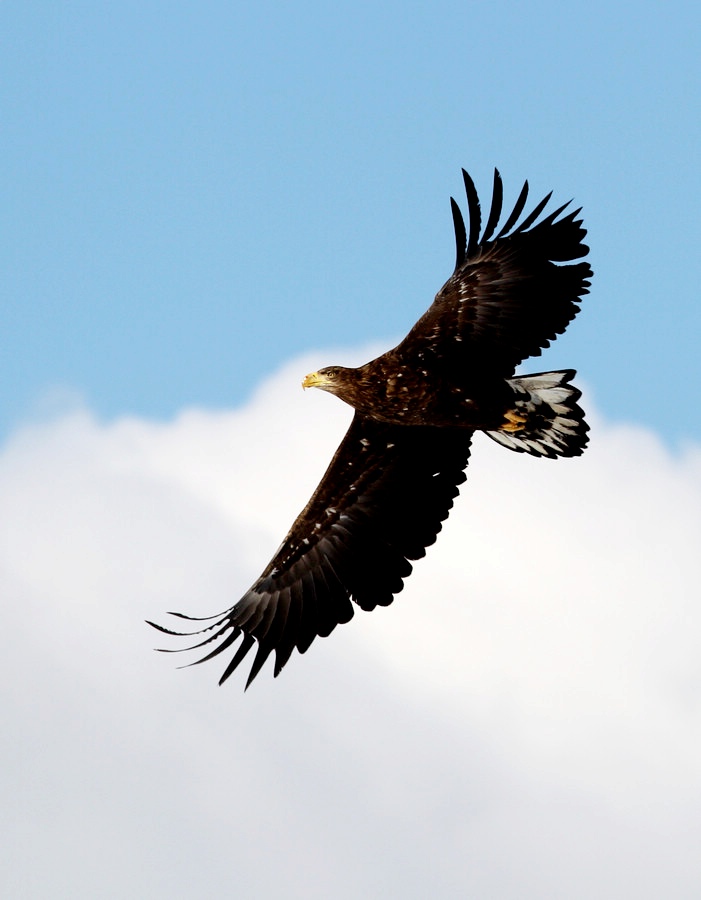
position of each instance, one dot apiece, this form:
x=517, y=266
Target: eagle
x=397, y=471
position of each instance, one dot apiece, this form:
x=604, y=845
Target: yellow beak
x=312, y=380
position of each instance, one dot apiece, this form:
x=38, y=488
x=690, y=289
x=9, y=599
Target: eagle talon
x=515, y=421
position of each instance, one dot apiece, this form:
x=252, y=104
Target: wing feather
x=474, y=211
x=380, y=503
x=508, y=297
x=495, y=210
x=533, y=215
x=245, y=645
x=460, y=234
x=303, y=593
x=516, y=211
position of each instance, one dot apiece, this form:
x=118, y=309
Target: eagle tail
x=546, y=419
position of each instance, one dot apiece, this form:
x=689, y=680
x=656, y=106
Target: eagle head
x=332, y=378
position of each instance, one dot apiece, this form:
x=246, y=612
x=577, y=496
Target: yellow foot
x=514, y=421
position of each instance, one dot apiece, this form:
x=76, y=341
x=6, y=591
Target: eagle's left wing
x=510, y=294
x=381, y=503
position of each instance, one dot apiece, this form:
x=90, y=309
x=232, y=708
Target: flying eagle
x=395, y=475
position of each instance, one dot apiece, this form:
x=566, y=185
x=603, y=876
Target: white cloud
x=524, y=721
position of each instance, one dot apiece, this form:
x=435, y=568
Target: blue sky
x=195, y=193
x=201, y=203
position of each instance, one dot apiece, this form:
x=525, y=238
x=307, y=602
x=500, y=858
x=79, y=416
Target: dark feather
x=380, y=503
x=474, y=211
x=509, y=298
x=460, y=234
x=495, y=210
x=516, y=211
x=533, y=215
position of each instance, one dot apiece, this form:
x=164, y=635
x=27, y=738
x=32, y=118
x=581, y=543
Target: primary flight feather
x=395, y=475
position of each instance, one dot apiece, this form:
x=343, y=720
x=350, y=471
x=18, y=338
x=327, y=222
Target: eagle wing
x=509, y=295
x=380, y=503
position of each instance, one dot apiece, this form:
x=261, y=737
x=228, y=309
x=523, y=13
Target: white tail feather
x=553, y=422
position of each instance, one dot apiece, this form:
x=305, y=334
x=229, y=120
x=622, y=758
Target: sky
x=203, y=202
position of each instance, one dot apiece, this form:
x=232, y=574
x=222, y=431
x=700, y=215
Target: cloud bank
x=524, y=720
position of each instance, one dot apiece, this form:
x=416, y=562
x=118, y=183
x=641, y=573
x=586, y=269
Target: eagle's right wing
x=380, y=503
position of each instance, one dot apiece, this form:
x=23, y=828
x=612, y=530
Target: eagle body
x=394, y=477
x=398, y=394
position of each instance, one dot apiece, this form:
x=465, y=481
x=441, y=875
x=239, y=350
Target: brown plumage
x=393, y=479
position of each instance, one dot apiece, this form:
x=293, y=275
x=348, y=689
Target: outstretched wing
x=380, y=504
x=509, y=295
